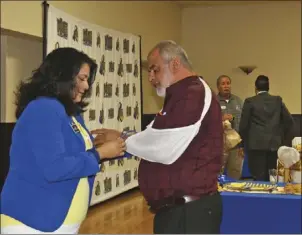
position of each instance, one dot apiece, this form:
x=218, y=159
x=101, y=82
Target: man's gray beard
x=160, y=91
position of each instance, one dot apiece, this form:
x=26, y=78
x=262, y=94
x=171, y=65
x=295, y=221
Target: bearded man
x=181, y=149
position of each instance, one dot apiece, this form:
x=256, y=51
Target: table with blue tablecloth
x=254, y=213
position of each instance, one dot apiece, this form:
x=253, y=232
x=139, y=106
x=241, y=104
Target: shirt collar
x=223, y=99
x=260, y=92
x=178, y=86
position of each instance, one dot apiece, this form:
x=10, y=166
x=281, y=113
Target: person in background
x=264, y=121
x=231, y=106
x=182, y=193
x=52, y=157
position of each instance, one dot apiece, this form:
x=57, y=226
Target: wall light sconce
x=247, y=69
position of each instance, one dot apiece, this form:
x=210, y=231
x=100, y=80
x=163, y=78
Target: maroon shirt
x=196, y=171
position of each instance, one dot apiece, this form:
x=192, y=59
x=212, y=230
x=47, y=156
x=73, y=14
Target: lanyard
x=84, y=134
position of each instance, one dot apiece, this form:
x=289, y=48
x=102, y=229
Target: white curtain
x=116, y=100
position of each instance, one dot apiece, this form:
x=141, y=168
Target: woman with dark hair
x=53, y=161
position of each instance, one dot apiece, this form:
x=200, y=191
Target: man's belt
x=170, y=202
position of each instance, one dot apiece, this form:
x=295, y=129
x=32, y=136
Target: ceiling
x=217, y=3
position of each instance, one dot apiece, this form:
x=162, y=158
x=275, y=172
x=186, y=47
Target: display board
x=116, y=97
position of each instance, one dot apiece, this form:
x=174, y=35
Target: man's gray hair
x=169, y=50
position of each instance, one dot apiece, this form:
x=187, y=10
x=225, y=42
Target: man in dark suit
x=264, y=122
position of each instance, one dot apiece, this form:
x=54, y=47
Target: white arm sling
x=166, y=145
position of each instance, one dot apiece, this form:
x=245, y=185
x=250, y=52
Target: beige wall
x=18, y=66
x=3, y=77
x=154, y=21
x=219, y=39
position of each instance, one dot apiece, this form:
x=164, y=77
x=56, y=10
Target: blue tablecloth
x=245, y=213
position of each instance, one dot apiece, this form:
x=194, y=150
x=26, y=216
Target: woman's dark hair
x=56, y=77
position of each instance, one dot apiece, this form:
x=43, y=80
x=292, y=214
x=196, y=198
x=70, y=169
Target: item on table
x=281, y=172
x=295, y=172
x=219, y=187
x=221, y=178
x=279, y=190
x=249, y=187
x=293, y=189
x=235, y=186
x=273, y=176
x=298, y=147
x=259, y=187
x=296, y=143
x=287, y=157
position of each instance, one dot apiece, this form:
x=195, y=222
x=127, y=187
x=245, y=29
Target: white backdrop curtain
x=116, y=98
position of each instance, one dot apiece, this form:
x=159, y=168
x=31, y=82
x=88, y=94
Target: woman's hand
x=99, y=140
x=113, y=148
x=104, y=135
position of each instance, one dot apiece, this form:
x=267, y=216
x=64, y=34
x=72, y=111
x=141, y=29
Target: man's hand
x=104, y=135
x=227, y=117
x=112, y=149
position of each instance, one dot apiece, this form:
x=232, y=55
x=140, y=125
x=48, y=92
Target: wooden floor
x=125, y=214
